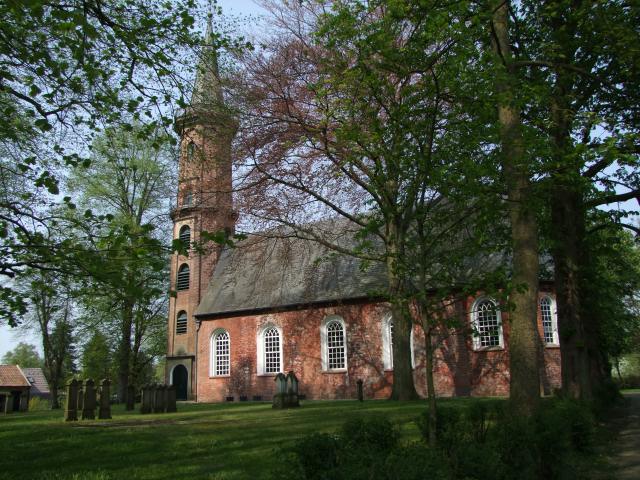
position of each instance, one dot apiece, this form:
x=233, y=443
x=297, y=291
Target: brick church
x=278, y=303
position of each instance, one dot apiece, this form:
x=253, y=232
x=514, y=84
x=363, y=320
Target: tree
x=351, y=114
x=68, y=68
x=24, y=355
x=96, y=358
x=50, y=315
x=129, y=182
x=524, y=353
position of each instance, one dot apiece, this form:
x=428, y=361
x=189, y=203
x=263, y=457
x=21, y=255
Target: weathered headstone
x=146, y=405
x=360, y=391
x=70, y=411
x=292, y=390
x=159, y=405
x=280, y=397
x=171, y=399
x=131, y=397
x=80, y=397
x=89, y=403
x=104, y=411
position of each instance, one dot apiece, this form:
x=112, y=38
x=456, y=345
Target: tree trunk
x=55, y=404
x=566, y=228
x=524, y=350
x=431, y=389
x=124, y=367
x=403, y=385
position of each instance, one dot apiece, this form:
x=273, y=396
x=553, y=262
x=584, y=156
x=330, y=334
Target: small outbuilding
x=39, y=385
x=14, y=389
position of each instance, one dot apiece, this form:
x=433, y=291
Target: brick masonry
x=459, y=369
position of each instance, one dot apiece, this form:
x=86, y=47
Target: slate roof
x=39, y=385
x=266, y=272
x=279, y=270
x=12, y=376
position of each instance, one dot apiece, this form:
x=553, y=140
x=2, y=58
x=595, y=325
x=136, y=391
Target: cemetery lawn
x=201, y=441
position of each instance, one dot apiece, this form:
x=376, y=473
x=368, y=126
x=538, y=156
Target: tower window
x=182, y=282
x=191, y=151
x=181, y=323
x=185, y=234
x=187, y=198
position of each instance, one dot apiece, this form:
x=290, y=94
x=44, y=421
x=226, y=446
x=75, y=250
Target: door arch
x=179, y=379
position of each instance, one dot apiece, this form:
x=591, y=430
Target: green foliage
x=38, y=404
x=96, y=358
x=25, y=355
x=485, y=441
x=70, y=69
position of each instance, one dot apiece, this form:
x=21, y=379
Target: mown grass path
x=626, y=446
x=224, y=441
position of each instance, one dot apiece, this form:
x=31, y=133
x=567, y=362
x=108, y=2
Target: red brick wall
x=459, y=369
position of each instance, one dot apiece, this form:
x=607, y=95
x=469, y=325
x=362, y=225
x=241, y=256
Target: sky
x=10, y=337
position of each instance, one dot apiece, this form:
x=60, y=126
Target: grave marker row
x=158, y=399
x=82, y=398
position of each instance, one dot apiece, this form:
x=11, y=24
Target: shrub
x=316, y=457
x=417, y=462
x=38, y=404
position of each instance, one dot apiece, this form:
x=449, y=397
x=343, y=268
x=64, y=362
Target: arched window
x=387, y=343
x=270, y=351
x=487, y=324
x=334, y=344
x=191, y=151
x=220, y=353
x=185, y=234
x=182, y=282
x=549, y=321
x=181, y=323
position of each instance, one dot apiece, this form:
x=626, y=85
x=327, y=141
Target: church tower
x=204, y=204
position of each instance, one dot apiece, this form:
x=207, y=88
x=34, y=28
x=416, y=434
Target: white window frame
x=213, y=357
x=474, y=323
x=324, y=343
x=260, y=351
x=387, y=343
x=554, y=321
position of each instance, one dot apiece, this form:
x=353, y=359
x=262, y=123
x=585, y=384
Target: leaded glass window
x=221, y=353
x=182, y=282
x=487, y=324
x=181, y=323
x=336, y=355
x=548, y=320
x=272, y=359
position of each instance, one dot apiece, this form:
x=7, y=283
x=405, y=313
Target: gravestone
x=146, y=405
x=104, y=411
x=70, y=410
x=158, y=405
x=80, y=397
x=171, y=399
x=131, y=397
x=89, y=403
x=292, y=390
x=360, y=391
x=280, y=397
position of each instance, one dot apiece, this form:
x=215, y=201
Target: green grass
x=201, y=441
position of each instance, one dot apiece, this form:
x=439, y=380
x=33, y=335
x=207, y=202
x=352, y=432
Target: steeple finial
x=207, y=90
